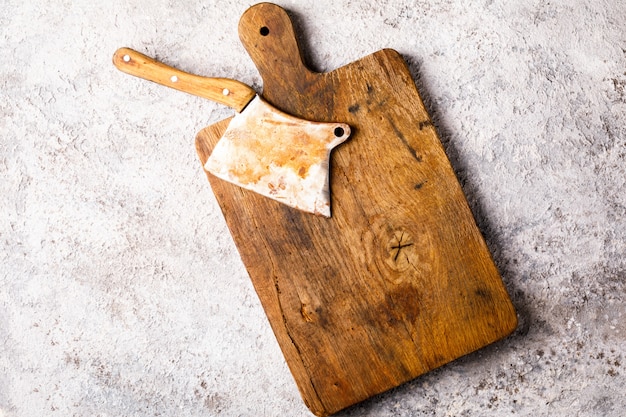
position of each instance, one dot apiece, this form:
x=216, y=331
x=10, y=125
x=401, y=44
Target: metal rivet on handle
x=226, y=91
x=174, y=78
x=126, y=58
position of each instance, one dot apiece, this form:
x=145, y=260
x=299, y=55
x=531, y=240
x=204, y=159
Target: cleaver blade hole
x=264, y=31
x=339, y=132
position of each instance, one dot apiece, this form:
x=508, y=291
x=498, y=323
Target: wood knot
x=400, y=249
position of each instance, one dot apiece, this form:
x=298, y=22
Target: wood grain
x=399, y=281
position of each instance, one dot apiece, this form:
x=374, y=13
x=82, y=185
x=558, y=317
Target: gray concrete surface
x=121, y=291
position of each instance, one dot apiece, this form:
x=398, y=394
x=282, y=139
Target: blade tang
x=232, y=93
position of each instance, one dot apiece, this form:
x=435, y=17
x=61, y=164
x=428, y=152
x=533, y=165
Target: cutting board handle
x=267, y=34
x=222, y=90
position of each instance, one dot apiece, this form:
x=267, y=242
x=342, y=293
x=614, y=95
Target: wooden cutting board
x=399, y=281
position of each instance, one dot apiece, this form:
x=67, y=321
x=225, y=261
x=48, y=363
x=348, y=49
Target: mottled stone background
x=122, y=293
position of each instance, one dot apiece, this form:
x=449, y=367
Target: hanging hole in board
x=264, y=31
x=339, y=132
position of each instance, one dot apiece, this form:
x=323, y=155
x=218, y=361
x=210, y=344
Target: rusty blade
x=279, y=156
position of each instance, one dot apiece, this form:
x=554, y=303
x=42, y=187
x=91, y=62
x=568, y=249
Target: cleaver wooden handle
x=232, y=93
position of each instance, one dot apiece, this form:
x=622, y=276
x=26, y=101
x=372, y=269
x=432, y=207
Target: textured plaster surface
x=121, y=290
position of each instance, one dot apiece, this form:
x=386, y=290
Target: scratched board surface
x=399, y=281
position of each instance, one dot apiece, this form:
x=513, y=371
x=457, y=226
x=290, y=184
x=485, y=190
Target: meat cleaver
x=263, y=149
